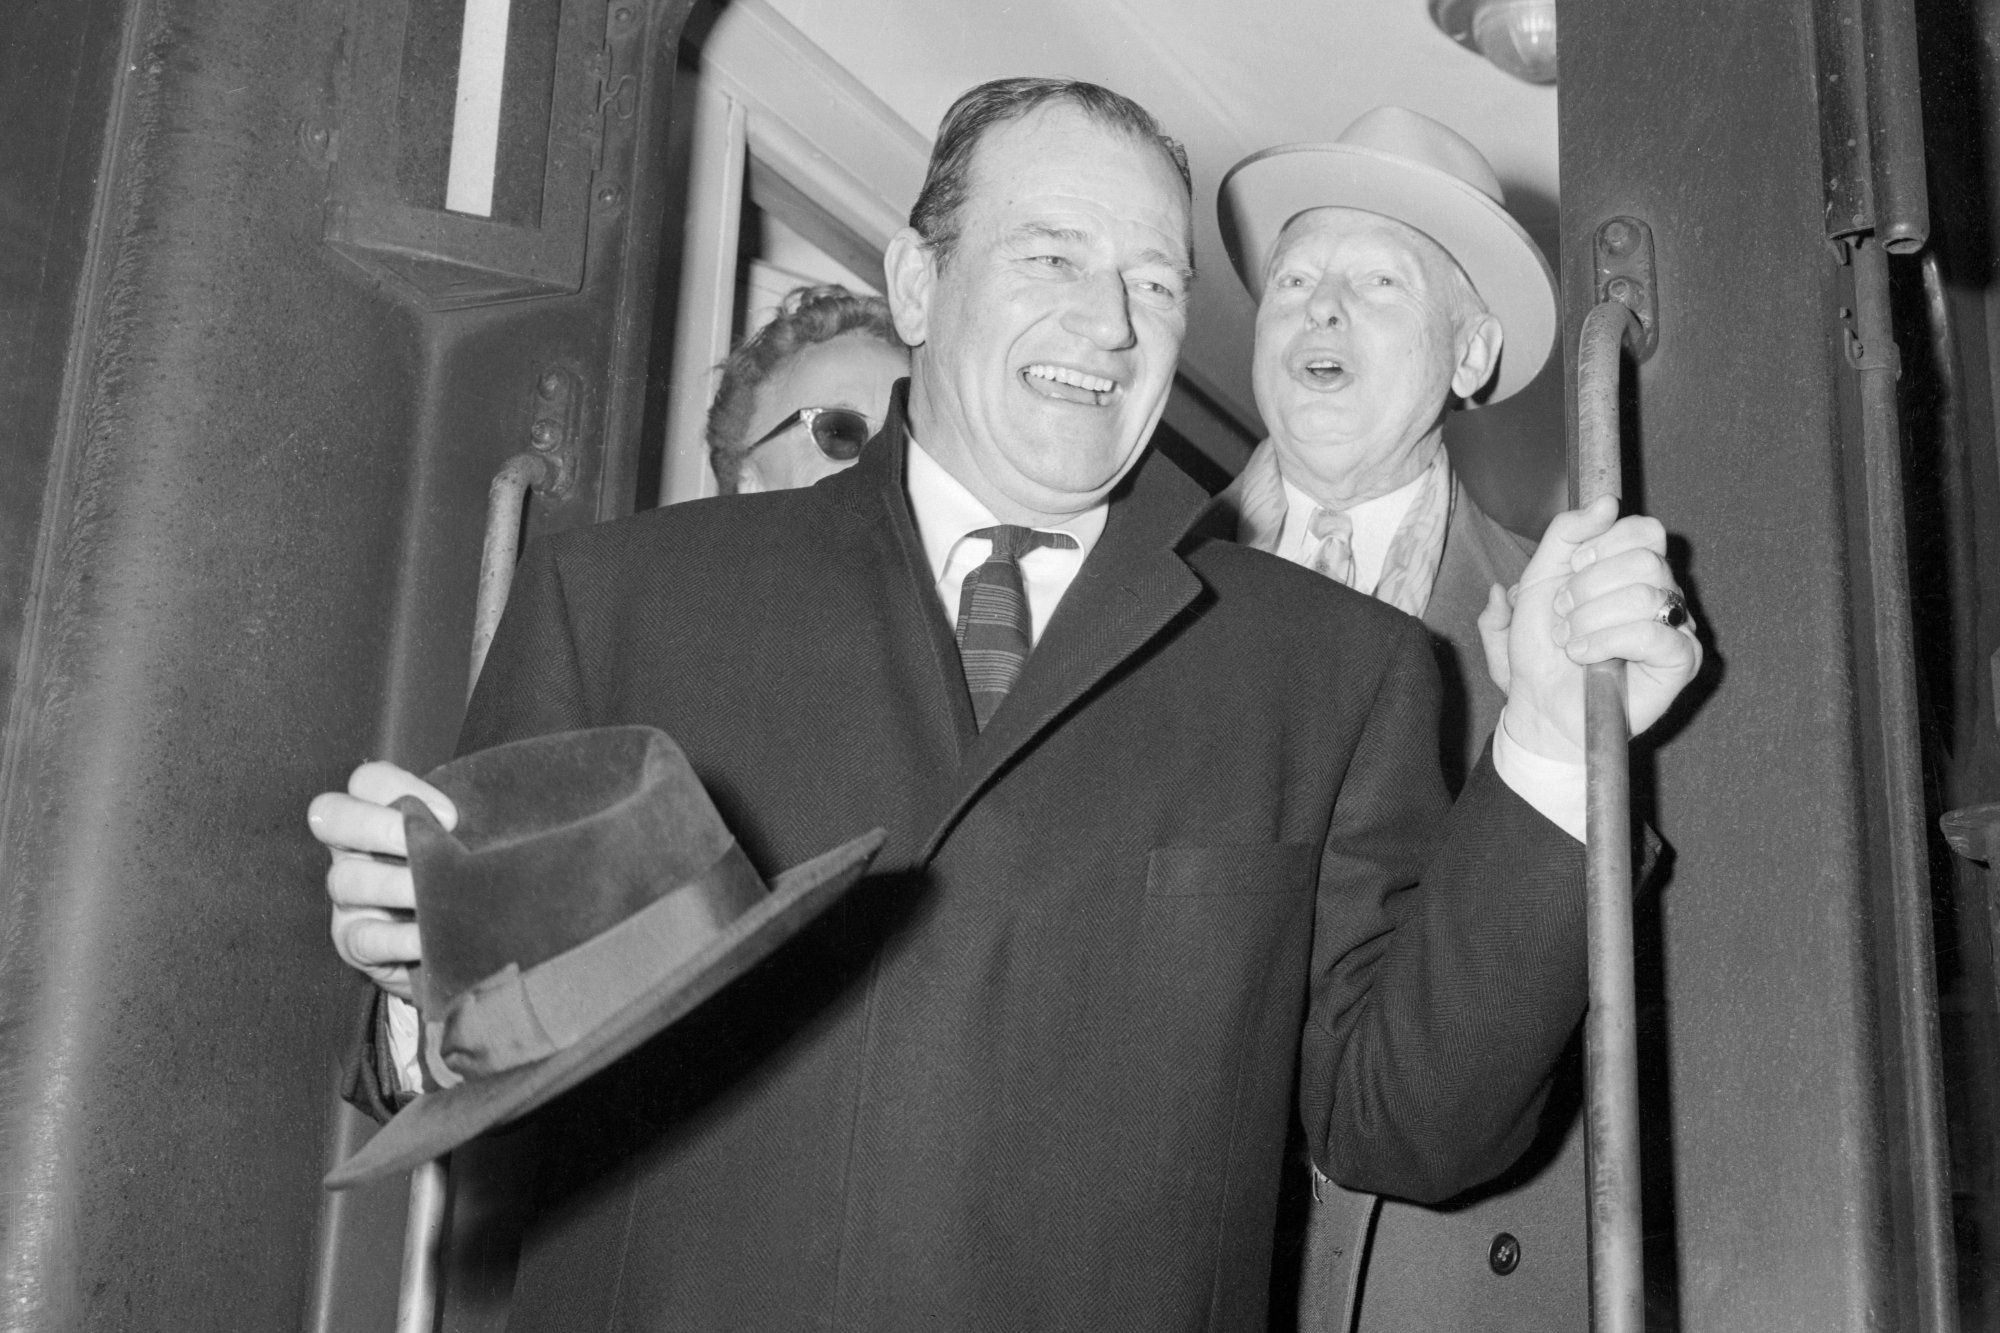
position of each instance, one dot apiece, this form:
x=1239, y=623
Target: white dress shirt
x=1375, y=523
x=947, y=515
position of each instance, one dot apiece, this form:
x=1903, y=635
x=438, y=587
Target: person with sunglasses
x=800, y=396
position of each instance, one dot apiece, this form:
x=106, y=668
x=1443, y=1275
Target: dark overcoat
x=1198, y=876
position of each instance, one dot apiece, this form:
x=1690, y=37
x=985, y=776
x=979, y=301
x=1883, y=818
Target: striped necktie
x=1335, y=556
x=993, y=626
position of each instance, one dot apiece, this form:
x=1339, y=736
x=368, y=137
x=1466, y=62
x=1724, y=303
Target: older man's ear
x=911, y=269
x=1478, y=354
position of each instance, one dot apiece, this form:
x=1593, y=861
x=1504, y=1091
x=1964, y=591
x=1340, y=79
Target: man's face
x=855, y=371
x=1365, y=329
x=1047, y=341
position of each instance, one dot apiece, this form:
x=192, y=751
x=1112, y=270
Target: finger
x=361, y=882
x=1634, y=603
x=1493, y=625
x=1634, y=568
x=384, y=784
x=1633, y=532
x=1668, y=653
x=349, y=823
x=376, y=942
x=1565, y=533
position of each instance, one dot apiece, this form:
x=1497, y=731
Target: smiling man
x=1167, y=843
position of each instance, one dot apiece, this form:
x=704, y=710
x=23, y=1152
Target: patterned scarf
x=1409, y=569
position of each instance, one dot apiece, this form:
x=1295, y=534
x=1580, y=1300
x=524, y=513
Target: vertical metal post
x=1611, y=1046
x=423, y=1232
x=1915, y=1089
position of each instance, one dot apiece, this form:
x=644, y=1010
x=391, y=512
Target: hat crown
x=1404, y=133
x=559, y=838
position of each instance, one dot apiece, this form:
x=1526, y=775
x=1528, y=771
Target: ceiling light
x=1517, y=35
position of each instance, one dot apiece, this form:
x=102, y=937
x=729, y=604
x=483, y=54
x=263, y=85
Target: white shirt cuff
x=406, y=1045
x=1554, y=787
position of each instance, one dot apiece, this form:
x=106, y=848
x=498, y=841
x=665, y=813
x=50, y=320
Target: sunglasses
x=838, y=431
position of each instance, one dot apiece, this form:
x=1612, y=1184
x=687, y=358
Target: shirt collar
x=1374, y=520
x=945, y=511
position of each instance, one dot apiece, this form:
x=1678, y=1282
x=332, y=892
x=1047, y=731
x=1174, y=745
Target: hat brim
x=1265, y=191
x=437, y=1122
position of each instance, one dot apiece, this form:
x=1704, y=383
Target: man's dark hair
x=946, y=184
x=807, y=316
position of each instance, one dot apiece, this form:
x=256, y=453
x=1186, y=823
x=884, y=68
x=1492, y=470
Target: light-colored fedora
x=1408, y=167
x=589, y=897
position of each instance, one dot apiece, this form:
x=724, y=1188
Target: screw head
x=544, y=434
x=1620, y=236
x=622, y=14
x=314, y=138
x=1504, y=1255
x=551, y=384
x=608, y=196
x=1621, y=289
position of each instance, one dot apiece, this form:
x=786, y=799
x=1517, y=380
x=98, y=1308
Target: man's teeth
x=1074, y=378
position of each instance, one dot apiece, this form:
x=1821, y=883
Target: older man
x=1393, y=287
x=1140, y=885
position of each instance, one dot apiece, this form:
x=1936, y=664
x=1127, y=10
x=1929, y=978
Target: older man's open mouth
x=1320, y=370
x=1068, y=384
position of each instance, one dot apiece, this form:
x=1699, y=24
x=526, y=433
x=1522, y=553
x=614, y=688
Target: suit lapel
x=876, y=501
x=1130, y=588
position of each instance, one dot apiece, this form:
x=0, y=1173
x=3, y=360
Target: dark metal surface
x=1840, y=69
x=1918, y=1174
x=1772, y=1152
x=257, y=558
x=1610, y=1028
x=396, y=96
x=1896, y=126
x=1871, y=121
x=58, y=65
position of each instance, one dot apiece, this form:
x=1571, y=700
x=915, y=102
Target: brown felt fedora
x=1425, y=175
x=589, y=896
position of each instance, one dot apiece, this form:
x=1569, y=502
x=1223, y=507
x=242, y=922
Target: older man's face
x=1361, y=334
x=1047, y=341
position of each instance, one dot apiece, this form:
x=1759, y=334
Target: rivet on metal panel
x=557, y=408
x=1623, y=252
x=609, y=196
x=315, y=139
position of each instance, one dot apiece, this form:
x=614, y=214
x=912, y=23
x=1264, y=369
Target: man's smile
x=1068, y=384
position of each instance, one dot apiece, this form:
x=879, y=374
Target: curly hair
x=935, y=216
x=807, y=316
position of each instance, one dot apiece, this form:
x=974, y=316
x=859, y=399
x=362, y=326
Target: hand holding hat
x=588, y=897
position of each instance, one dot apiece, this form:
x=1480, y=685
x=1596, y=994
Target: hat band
x=513, y=1018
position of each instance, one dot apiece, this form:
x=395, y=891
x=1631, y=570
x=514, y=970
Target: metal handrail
x=1611, y=1047
x=424, y=1229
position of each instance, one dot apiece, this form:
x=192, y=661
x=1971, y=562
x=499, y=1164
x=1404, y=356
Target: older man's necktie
x=1335, y=556
x=993, y=626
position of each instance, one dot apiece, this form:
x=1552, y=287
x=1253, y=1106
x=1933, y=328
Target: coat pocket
x=1202, y=872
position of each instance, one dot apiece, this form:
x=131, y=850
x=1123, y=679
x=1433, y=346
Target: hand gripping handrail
x=423, y=1229
x=1611, y=1048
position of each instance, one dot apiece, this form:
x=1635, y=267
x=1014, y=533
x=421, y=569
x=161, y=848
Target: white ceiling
x=1225, y=78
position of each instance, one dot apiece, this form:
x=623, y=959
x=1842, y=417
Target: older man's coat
x=1198, y=877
